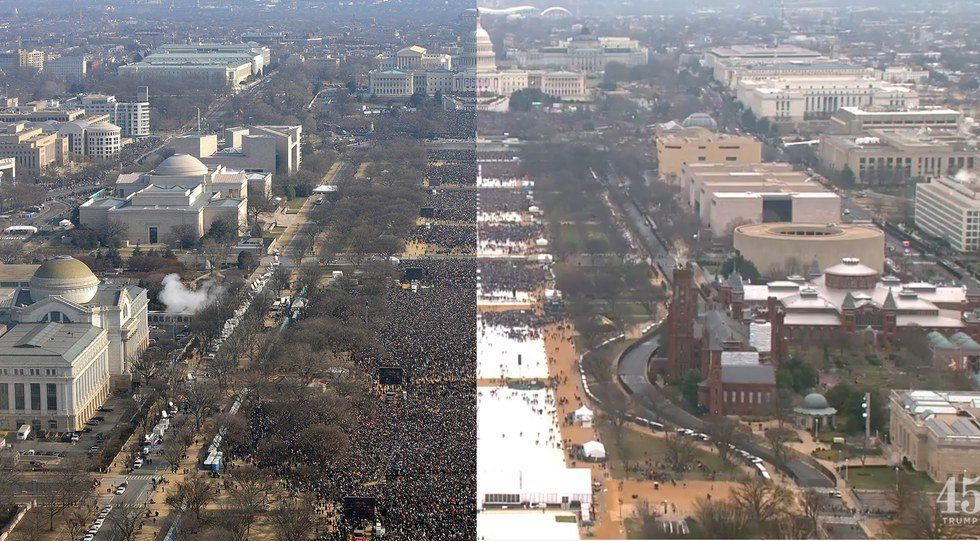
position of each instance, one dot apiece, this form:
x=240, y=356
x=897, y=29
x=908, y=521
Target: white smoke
x=966, y=177
x=179, y=298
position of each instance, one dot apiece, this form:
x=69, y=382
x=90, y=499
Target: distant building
x=586, y=53
x=232, y=63
x=793, y=100
x=33, y=150
x=181, y=191
x=788, y=248
x=271, y=149
x=729, y=194
x=889, y=156
x=472, y=72
x=67, y=67
x=133, y=118
x=758, y=53
x=905, y=75
x=8, y=170
x=22, y=58
x=851, y=297
x=857, y=120
x=949, y=208
x=699, y=145
x=938, y=432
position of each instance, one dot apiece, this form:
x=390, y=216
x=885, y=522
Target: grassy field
x=883, y=478
x=295, y=203
x=639, y=446
x=574, y=236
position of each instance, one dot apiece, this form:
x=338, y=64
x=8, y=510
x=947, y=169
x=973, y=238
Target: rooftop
x=60, y=342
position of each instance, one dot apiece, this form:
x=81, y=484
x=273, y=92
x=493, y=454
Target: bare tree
x=249, y=492
x=66, y=488
x=768, y=506
x=78, y=517
x=201, y=399
x=778, y=438
x=722, y=519
x=192, y=495
x=678, y=452
x=724, y=433
x=294, y=519
x=125, y=521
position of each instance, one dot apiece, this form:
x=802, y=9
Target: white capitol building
x=69, y=339
x=413, y=70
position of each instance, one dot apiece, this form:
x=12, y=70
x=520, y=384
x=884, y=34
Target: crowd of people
x=458, y=238
x=506, y=274
x=509, y=232
x=452, y=173
x=452, y=205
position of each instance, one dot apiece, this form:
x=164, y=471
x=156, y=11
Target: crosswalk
x=141, y=476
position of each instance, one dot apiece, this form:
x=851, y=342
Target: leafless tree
x=248, y=495
x=192, y=495
x=66, y=487
x=678, y=452
x=767, y=505
x=724, y=432
x=294, y=519
x=124, y=521
x=722, y=519
x=201, y=399
x=777, y=439
x=78, y=517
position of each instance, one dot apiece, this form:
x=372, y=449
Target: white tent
x=584, y=416
x=594, y=450
x=541, y=242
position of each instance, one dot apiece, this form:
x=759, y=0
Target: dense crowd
x=451, y=237
x=509, y=232
x=453, y=173
x=505, y=274
x=427, y=438
x=452, y=205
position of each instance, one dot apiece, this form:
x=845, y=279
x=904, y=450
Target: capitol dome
x=701, y=120
x=815, y=401
x=66, y=277
x=181, y=165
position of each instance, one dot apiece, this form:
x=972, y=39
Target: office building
x=133, y=118
x=793, y=100
x=233, y=63
x=857, y=120
x=22, y=59
x=698, y=145
x=888, y=156
x=269, y=149
x=936, y=431
x=731, y=71
x=33, y=150
x=758, y=53
x=948, y=208
x=67, y=67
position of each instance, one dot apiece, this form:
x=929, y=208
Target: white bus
x=23, y=432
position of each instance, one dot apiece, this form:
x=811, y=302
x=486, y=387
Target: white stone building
x=71, y=339
x=949, y=208
x=270, y=149
x=181, y=191
x=798, y=99
x=133, y=118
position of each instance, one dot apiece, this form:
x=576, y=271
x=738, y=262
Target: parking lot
x=42, y=453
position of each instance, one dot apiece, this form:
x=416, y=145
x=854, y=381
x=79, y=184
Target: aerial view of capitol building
x=473, y=72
